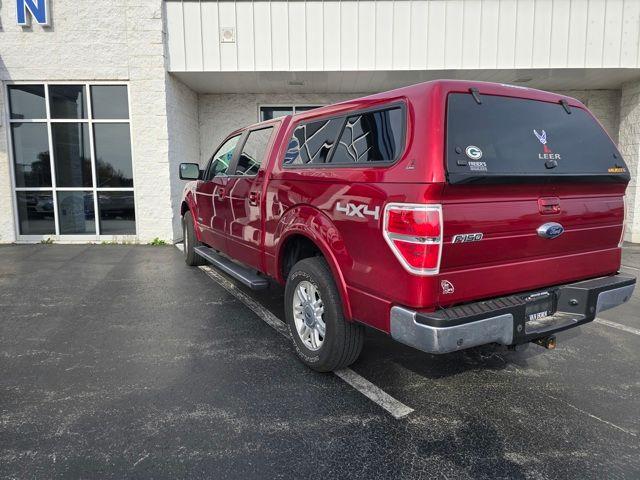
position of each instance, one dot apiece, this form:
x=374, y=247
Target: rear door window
x=506, y=138
x=253, y=152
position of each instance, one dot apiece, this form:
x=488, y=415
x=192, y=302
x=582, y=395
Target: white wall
x=71, y=49
x=630, y=149
x=184, y=140
x=7, y=226
x=403, y=35
x=121, y=40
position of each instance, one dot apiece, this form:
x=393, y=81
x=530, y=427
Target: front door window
x=222, y=158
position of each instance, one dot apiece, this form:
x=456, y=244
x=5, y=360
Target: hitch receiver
x=547, y=342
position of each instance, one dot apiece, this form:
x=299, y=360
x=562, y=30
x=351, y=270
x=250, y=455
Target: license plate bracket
x=539, y=305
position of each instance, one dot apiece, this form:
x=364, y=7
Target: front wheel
x=323, y=339
x=191, y=258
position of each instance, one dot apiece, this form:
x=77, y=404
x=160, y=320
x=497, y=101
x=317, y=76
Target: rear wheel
x=324, y=340
x=190, y=242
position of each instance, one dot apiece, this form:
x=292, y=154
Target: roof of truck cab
x=437, y=90
x=257, y=125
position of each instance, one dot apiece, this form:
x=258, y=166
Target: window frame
x=53, y=189
x=344, y=115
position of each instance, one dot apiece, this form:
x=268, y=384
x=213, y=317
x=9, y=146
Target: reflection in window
x=109, y=102
x=76, y=213
x=253, y=152
x=31, y=154
x=370, y=137
x=67, y=101
x=117, y=213
x=222, y=158
x=113, y=154
x=35, y=213
x=72, y=154
x=268, y=113
x=27, y=102
x=312, y=142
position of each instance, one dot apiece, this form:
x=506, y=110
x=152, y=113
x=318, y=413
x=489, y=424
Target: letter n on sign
x=38, y=9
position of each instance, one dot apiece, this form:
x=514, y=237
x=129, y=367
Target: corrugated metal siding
x=403, y=34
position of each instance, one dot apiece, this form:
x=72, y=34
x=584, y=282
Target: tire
x=311, y=280
x=190, y=242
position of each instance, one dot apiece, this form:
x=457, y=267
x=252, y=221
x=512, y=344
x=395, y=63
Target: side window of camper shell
x=370, y=137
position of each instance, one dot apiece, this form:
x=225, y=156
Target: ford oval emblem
x=550, y=230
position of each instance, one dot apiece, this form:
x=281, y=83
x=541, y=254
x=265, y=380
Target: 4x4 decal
x=353, y=210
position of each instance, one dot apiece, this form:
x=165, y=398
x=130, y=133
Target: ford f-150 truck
x=448, y=214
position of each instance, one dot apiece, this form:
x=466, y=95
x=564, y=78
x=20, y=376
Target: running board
x=243, y=274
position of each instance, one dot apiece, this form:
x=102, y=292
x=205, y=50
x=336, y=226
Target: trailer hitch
x=547, y=342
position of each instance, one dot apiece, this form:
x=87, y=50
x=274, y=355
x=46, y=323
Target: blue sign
x=38, y=9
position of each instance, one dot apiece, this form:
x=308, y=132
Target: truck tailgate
x=511, y=255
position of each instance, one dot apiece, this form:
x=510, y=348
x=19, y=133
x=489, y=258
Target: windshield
x=506, y=138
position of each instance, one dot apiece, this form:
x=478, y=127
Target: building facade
x=102, y=100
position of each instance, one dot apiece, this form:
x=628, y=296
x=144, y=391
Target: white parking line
x=592, y=415
x=268, y=317
x=631, y=268
x=619, y=326
x=374, y=393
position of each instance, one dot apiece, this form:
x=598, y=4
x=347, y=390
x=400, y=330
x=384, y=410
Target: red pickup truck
x=448, y=214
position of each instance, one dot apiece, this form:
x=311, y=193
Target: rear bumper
x=507, y=320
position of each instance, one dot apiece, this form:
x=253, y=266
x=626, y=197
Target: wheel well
x=296, y=248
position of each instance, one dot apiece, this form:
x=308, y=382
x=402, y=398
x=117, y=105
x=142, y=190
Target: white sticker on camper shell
x=478, y=166
x=473, y=152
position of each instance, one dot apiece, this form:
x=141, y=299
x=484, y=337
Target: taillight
x=414, y=233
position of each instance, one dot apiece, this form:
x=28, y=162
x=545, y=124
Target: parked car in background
x=448, y=214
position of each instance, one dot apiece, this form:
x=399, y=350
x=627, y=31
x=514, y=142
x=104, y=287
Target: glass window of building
x=72, y=165
x=271, y=112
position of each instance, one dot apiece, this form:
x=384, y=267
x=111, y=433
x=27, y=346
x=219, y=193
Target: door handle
x=253, y=198
x=549, y=205
x=220, y=193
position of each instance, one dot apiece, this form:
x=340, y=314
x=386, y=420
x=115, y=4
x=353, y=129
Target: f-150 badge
x=467, y=237
x=353, y=210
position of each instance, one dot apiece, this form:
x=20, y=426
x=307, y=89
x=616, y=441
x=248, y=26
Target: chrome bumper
x=447, y=331
x=614, y=297
x=405, y=329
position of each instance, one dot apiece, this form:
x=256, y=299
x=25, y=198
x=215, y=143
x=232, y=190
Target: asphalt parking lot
x=120, y=361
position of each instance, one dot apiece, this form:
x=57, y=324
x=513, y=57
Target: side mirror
x=189, y=171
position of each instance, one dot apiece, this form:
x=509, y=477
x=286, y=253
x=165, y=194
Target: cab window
x=253, y=152
x=219, y=163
